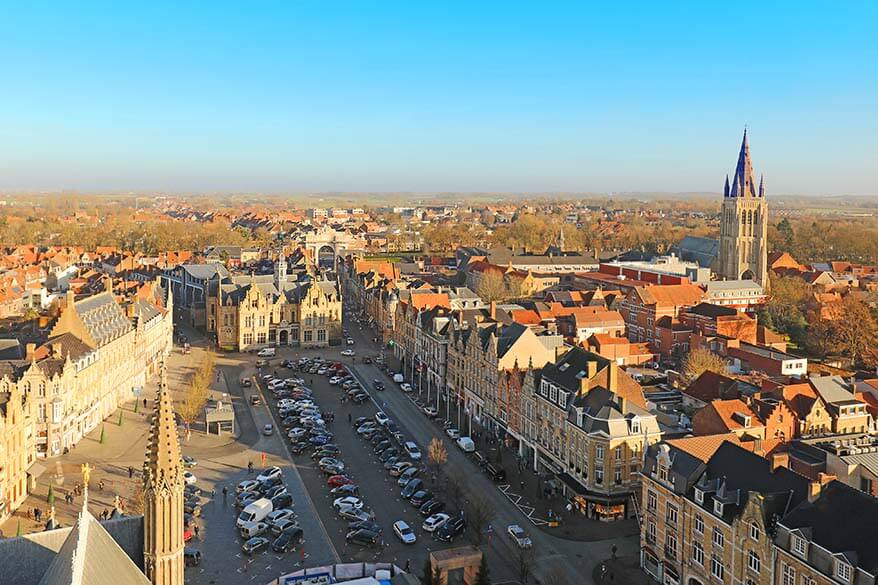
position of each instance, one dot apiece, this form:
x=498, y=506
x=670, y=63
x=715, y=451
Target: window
x=799, y=546
x=651, y=501
x=599, y=453
x=41, y=412
x=617, y=476
x=753, y=562
x=57, y=412
x=842, y=571
x=248, y=338
x=718, y=507
x=718, y=538
x=754, y=531
x=650, y=531
x=635, y=425
x=699, y=496
x=562, y=400
x=663, y=472
x=787, y=574
x=260, y=337
x=618, y=453
x=671, y=514
x=308, y=336
x=553, y=394
x=321, y=335
x=716, y=567
x=698, y=553
x=671, y=546
x=699, y=524
x=599, y=475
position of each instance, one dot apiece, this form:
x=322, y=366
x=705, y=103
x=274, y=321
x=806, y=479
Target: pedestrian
x=349, y=418
x=130, y=472
x=408, y=565
x=144, y=403
x=249, y=467
x=196, y=530
x=225, y=492
x=522, y=484
x=101, y=485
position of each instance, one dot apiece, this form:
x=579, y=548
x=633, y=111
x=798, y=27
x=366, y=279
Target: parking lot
x=377, y=490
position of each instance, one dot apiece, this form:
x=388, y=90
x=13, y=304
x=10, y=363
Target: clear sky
x=437, y=96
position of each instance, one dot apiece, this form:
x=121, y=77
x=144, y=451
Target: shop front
x=594, y=505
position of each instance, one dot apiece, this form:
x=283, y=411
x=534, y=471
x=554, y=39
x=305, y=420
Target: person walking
x=249, y=467
x=349, y=418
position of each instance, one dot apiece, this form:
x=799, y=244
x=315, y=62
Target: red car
x=336, y=480
x=187, y=535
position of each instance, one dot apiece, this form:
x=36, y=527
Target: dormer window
x=843, y=571
x=635, y=425
x=717, y=507
x=800, y=546
x=699, y=496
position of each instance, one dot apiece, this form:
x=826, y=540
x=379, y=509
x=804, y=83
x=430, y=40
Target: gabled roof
x=90, y=556
x=842, y=520
x=670, y=295
x=703, y=447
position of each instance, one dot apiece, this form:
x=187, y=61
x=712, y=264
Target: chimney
x=592, y=369
x=814, y=489
x=493, y=310
x=613, y=377
x=30, y=349
x=779, y=460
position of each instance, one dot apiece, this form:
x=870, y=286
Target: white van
x=251, y=529
x=267, y=352
x=398, y=378
x=255, y=512
x=466, y=444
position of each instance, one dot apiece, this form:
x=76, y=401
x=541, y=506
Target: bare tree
x=198, y=391
x=492, y=286
x=455, y=489
x=524, y=564
x=479, y=513
x=555, y=576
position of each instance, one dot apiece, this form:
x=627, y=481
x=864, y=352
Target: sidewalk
x=621, y=571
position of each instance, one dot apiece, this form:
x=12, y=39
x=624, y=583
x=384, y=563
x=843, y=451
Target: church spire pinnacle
x=726, y=188
x=762, y=185
x=163, y=493
x=743, y=184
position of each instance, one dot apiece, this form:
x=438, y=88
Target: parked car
x=411, y=487
x=430, y=507
x=254, y=545
x=435, y=522
x=348, y=489
x=284, y=500
x=278, y=515
x=413, y=452
x=519, y=536
x=421, y=496
x=288, y=540
x=351, y=514
x=451, y=529
x=250, y=529
x=354, y=501
x=452, y=433
x=269, y=473
x=281, y=525
x=466, y=444
x=388, y=453
x=404, y=532
x=370, y=525
x=381, y=418
x=407, y=475
x=189, y=461
x=189, y=477
x=431, y=411
x=267, y=352
x=400, y=468
x=337, y=480
x=363, y=537
x=406, y=387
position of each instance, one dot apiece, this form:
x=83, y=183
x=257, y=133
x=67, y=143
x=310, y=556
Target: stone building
x=586, y=423
x=743, y=241
x=100, y=353
x=248, y=312
x=710, y=519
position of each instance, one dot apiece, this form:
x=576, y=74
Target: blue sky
x=298, y=96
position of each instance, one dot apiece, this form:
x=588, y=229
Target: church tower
x=743, y=240
x=163, y=494
x=280, y=271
